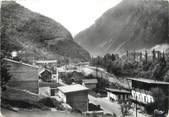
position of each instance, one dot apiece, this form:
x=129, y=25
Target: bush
x=50, y=102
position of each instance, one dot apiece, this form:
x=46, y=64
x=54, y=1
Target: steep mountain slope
x=36, y=35
x=132, y=24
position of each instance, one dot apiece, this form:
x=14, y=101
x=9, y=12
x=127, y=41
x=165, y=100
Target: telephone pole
x=136, y=106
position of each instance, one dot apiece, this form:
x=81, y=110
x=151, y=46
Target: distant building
x=75, y=95
x=90, y=83
x=23, y=76
x=142, y=90
x=51, y=66
x=45, y=75
x=117, y=94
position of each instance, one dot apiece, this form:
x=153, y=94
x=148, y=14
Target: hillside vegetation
x=132, y=24
x=36, y=35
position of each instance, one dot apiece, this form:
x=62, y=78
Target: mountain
x=132, y=24
x=33, y=34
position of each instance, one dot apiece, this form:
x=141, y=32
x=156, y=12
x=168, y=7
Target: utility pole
x=136, y=105
x=146, y=56
x=134, y=55
x=96, y=71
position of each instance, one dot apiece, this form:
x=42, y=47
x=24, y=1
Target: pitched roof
x=149, y=81
x=90, y=81
x=41, y=70
x=46, y=61
x=117, y=90
x=72, y=88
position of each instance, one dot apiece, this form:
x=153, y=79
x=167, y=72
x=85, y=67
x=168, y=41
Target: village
x=82, y=89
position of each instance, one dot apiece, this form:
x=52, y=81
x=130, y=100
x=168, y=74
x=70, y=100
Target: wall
x=44, y=91
x=62, y=96
x=117, y=96
x=23, y=76
x=31, y=86
x=112, y=96
x=90, y=85
x=142, y=97
x=78, y=100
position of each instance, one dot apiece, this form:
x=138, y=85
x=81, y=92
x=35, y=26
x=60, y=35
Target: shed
x=76, y=96
x=90, y=83
x=118, y=94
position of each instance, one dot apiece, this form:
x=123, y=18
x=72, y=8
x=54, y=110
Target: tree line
x=156, y=70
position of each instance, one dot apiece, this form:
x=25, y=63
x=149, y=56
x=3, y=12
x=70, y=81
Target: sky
x=75, y=15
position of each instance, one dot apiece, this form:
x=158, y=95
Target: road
x=113, y=107
x=106, y=105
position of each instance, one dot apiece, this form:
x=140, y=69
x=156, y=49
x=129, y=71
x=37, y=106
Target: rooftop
x=149, y=81
x=72, y=88
x=20, y=62
x=90, y=81
x=49, y=84
x=117, y=90
x=41, y=70
x=46, y=61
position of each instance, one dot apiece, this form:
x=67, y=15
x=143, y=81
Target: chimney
x=146, y=56
x=140, y=56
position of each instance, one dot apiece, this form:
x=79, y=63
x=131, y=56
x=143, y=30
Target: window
x=145, y=99
x=52, y=92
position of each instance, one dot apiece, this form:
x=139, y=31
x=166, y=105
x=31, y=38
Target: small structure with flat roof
x=75, y=95
x=117, y=94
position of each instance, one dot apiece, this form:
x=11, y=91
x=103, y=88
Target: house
x=118, y=94
x=48, y=75
x=45, y=75
x=90, y=83
x=75, y=95
x=142, y=91
x=55, y=74
x=51, y=66
x=23, y=76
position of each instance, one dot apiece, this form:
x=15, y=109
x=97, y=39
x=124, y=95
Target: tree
x=160, y=99
x=5, y=76
x=113, y=57
x=166, y=77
